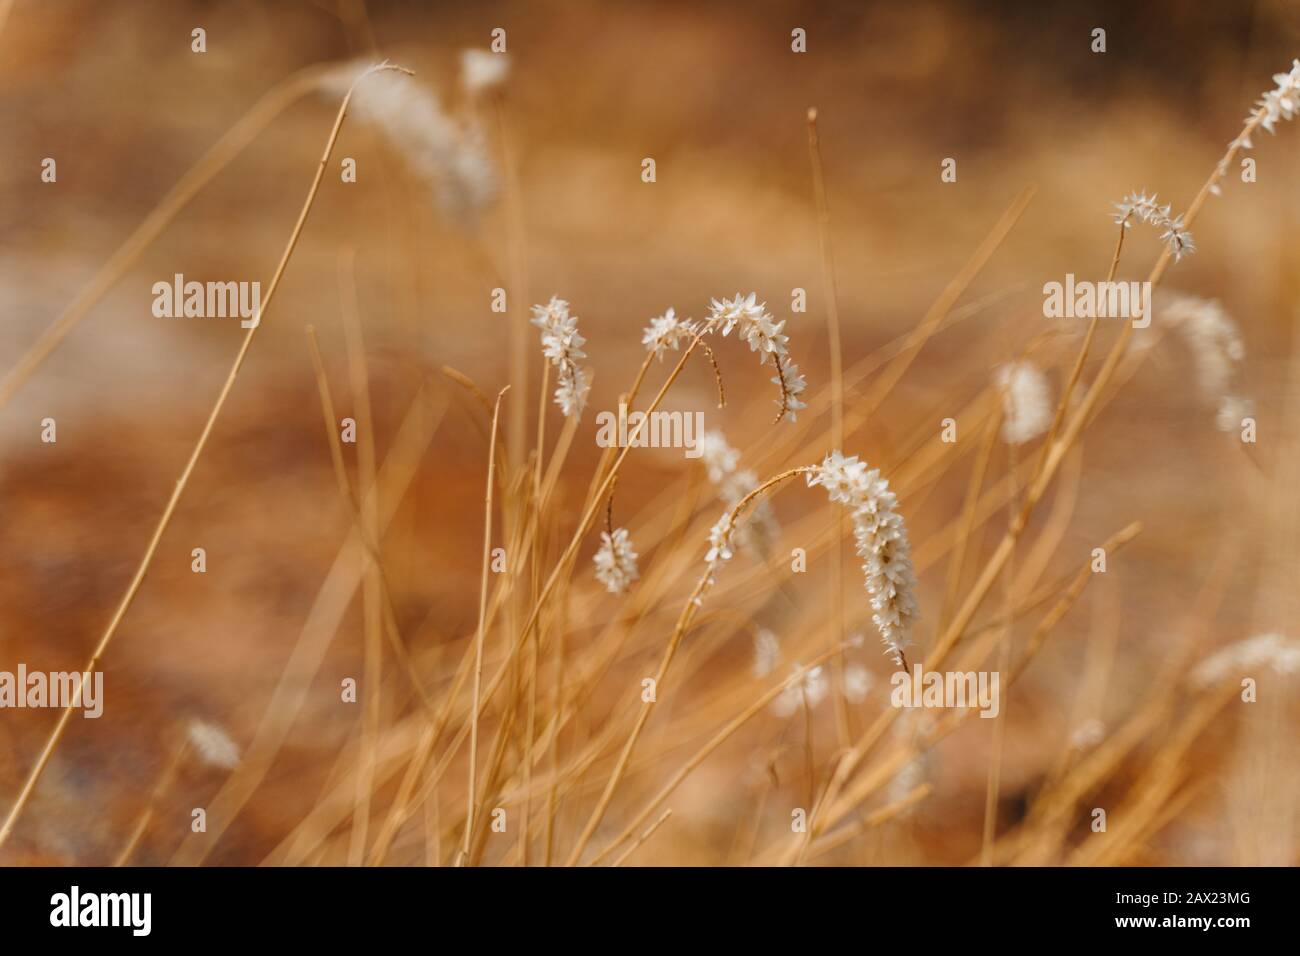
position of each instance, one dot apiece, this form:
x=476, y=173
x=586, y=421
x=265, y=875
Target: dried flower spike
x=562, y=345
x=1026, y=402
x=452, y=157
x=759, y=328
x=881, y=542
x=1217, y=351
x=1143, y=208
x=1274, y=651
x=616, y=561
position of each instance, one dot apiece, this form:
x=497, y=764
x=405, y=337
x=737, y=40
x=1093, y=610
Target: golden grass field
x=509, y=696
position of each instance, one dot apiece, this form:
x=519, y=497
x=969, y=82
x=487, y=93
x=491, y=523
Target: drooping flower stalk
x=759, y=328
x=1143, y=208
x=882, y=543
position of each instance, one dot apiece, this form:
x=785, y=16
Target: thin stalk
x=134, y=587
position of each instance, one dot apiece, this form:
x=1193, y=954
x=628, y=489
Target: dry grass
x=512, y=712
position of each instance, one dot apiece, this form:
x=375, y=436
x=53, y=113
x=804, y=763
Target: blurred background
x=713, y=93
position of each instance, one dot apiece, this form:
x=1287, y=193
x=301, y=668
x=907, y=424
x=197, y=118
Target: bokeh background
x=714, y=94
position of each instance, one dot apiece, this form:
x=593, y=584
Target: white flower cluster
x=1217, y=350
x=666, y=332
x=1282, y=102
x=719, y=552
x=1264, y=650
x=1144, y=208
x=1026, y=401
x=882, y=544
x=811, y=687
x=760, y=329
x=758, y=528
x=616, y=561
x=212, y=744
x=452, y=157
x=562, y=344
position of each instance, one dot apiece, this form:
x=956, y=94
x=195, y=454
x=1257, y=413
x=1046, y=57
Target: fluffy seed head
x=1026, y=402
x=212, y=744
x=451, y=157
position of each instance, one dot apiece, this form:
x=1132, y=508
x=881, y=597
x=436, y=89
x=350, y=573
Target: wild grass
x=567, y=725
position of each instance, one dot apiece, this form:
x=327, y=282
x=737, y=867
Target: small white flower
x=794, y=386
x=810, y=688
x=1136, y=205
x=482, y=70
x=1178, y=238
x=1088, y=734
x=562, y=345
x=720, y=542
x=729, y=313
x=616, y=561
x=1282, y=101
x=1143, y=208
x=758, y=526
x=1274, y=651
x=857, y=683
x=767, y=653
x=720, y=459
x=666, y=332
x=212, y=744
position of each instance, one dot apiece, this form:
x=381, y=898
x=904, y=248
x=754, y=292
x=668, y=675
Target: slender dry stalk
x=758, y=706
x=518, y=307
x=134, y=587
x=165, y=781
x=372, y=592
x=837, y=413
x=217, y=158
x=419, y=424
x=679, y=631
x=368, y=536
x=649, y=832
x=479, y=633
